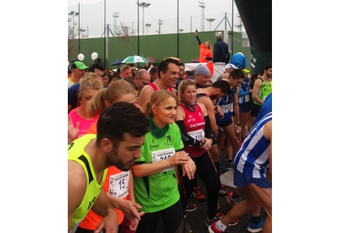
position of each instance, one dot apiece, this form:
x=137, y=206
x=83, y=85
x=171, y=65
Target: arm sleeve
x=208, y=130
x=243, y=93
x=185, y=137
x=199, y=41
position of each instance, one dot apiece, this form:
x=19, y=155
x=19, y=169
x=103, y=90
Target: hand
x=207, y=143
x=179, y=157
x=130, y=209
x=108, y=223
x=189, y=169
x=219, y=112
x=72, y=131
x=196, y=33
x=238, y=129
x=131, y=224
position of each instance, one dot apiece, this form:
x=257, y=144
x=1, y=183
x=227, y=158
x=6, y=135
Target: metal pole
x=233, y=2
x=138, y=28
x=105, y=43
x=79, y=26
x=178, y=36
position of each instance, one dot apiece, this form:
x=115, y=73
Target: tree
x=125, y=33
x=72, y=33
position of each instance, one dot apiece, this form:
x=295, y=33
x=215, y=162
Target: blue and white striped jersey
x=252, y=159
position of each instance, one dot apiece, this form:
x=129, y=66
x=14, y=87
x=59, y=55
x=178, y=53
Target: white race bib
x=119, y=184
x=197, y=134
x=160, y=155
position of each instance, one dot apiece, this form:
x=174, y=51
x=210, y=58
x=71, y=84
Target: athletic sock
x=220, y=226
x=255, y=219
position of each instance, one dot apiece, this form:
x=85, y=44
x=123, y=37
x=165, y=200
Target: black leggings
x=173, y=220
x=206, y=170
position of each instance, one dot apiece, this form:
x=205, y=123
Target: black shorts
x=255, y=110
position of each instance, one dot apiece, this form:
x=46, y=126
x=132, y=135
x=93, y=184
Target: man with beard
x=262, y=88
x=117, y=143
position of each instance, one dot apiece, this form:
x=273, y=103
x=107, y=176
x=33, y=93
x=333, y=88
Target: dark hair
x=116, y=120
x=222, y=85
x=267, y=66
x=236, y=74
x=163, y=65
x=95, y=66
x=252, y=79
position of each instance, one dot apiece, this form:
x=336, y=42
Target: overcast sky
x=190, y=15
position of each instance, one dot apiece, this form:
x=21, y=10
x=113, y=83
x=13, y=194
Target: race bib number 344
x=160, y=155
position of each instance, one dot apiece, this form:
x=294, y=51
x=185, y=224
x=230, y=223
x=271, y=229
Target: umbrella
x=151, y=59
x=116, y=62
x=135, y=59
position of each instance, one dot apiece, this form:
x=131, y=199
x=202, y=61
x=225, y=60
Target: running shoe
x=220, y=214
x=255, y=227
x=229, y=165
x=209, y=222
x=190, y=207
x=198, y=194
x=212, y=229
x=222, y=168
x=223, y=190
x=233, y=198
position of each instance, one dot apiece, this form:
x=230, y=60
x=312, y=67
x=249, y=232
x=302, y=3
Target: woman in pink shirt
x=79, y=120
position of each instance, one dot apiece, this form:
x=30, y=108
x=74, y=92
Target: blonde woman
x=155, y=183
x=79, y=120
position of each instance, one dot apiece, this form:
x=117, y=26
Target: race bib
x=160, y=155
x=197, y=134
x=119, y=184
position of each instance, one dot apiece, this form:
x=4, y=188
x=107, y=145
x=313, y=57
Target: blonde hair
x=183, y=85
x=157, y=98
x=209, y=47
x=90, y=81
x=115, y=90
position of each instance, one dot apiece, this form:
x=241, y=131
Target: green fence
x=157, y=46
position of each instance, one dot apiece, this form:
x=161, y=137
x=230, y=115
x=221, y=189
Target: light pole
x=202, y=5
x=143, y=5
x=147, y=26
x=160, y=22
x=210, y=20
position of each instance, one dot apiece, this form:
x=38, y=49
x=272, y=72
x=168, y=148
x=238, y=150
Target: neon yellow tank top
x=264, y=91
x=77, y=153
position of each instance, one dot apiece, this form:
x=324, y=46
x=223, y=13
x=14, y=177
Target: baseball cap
x=231, y=66
x=79, y=65
x=201, y=69
x=245, y=70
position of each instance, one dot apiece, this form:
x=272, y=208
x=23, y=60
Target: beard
x=114, y=160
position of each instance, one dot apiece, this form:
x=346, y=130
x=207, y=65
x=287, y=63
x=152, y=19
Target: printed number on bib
x=197, y=134
x=160, y=155
x=119, y=184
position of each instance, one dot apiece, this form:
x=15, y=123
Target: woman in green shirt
x=155, y=183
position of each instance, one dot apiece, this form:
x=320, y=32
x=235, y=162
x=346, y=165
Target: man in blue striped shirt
x=252, y=175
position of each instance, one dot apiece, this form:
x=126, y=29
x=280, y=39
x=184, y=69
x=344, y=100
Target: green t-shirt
x=159, y=191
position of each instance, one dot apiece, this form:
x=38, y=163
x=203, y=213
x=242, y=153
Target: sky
x=190, y=15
